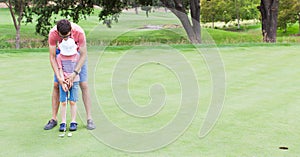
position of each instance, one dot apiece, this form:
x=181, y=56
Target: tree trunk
x=184, y=19
x=237, y=7
x=269, y=14
x=178, y=9
x=195, y=14
x=17, y=22
x=18, y=38
x=285, y=28
x=136, y=10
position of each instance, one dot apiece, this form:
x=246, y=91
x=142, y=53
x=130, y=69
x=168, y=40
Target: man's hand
x=63, y=84
x=65, y=87
x=61, y=81
x=70, y=80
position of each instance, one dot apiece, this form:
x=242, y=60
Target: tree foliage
x=215, y=10
x=74, y=10
x=288, y=13
x=110, y=10
x=249, y=9
x=228, y=10
x=187, y=11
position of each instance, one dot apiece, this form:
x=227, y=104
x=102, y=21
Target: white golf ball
x=69, y=134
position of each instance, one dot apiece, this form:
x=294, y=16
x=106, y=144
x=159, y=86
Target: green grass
x=137, y=37
x=225, y=37
x=291, y=35
x=260, y=111
x=292, y=29
x=243, y=28
x=128, y=29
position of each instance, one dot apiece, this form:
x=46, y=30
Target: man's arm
x=64, y=85
x=82, y=58
x=52, y=57
x=81, y=61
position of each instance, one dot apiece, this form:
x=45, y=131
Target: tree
x=237, y=7
x=287, y=13
x=209, y=11
x=245, y=10
x=17, y=10
x=133, y=4
x=228, y=10
x=111, y=10
x=269, y=14
x=147, y=9
x=180, y=8
x=248, y=9
x=74, y=10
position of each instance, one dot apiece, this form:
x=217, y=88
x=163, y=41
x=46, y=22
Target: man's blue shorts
x=71, y=95
x=83, y=72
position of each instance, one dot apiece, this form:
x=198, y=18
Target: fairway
x=259, y=115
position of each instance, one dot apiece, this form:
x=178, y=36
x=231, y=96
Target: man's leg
x=86, y=99
x=55, y=100
x=86, y=95
x=87, y=104
x=55, y=104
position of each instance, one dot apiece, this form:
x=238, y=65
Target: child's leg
x=63, y=111
x=73, y=99
x=73, y=111
x=63, y=104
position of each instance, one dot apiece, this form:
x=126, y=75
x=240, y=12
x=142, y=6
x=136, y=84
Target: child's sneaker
x=63, y=127
x=73, y=126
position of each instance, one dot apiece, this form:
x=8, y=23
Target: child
x=67, y=60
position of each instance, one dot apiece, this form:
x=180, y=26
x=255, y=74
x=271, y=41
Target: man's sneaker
x=73, y=126
x=51, y=124
x=90, y=124
x=63, y=127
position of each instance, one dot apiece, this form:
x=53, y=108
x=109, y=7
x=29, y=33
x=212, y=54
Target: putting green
x=260, y=111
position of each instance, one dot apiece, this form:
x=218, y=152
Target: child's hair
x=63, y=26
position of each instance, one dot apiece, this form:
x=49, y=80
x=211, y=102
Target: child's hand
x=68, y=83
x=65, y=87
x=70, y=80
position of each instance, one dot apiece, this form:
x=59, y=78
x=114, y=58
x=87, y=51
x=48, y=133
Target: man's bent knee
x=84, y=85
x=55, y=85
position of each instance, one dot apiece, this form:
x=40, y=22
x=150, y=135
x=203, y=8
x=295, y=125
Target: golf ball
x=69, y=134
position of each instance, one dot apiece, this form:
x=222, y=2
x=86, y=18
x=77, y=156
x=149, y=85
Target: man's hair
x=63, y=26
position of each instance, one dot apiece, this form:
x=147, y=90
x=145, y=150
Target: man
x=62, y=31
